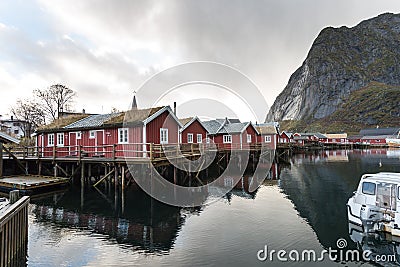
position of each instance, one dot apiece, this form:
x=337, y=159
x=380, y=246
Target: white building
x=12, y=126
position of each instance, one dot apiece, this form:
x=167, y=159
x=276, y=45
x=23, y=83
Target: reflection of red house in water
x=101, y=134
x=160, y=235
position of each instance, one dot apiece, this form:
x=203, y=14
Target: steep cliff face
x=340, y=61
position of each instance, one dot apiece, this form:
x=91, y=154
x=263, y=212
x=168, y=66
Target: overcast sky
x=104, y=50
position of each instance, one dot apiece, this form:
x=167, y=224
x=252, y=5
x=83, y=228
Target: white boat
x=376, y=204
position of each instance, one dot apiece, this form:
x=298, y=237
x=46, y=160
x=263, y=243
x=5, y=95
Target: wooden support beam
x=1, y=159
x=123, y=178
x=20, y=165
x=105, y=177
x=89, y=171
x=61, y=169
x=39, y=168
x=74, y=171
x=116, y=177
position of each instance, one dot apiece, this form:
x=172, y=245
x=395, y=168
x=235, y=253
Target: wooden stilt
x=26, y=167
x=123, y=189
x=82, y=184
x=123, y=177
x=40, y=168
x=1, y=160
x=89, y=171
x=116, y=187
x=55, y=170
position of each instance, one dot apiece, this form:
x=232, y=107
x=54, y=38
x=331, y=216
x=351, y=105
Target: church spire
x=134, y=104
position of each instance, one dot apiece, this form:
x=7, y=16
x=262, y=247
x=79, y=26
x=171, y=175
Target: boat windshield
x=368, y=188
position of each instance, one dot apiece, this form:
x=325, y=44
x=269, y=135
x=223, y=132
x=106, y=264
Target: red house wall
x=254, y=137
x=163, y=121
x=195, y=128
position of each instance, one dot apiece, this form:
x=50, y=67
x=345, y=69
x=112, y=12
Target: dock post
x=89, y=172
x=1, y=159
x=116, y=187
x=123, y=189
x=106, y=184
x=40, y=168
x=175, y=178
x=55, y=170
x=82, y=184
x=123, y=177
x=73, y=172
x=14, y=196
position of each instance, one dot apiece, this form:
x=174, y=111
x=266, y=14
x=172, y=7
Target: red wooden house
x=335, y=138
x=285, y=138
x=107, y=135
x=268, y=135
x=230, y=134
x=192, y=131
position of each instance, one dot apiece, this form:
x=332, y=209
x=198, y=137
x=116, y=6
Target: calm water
x=303, y=209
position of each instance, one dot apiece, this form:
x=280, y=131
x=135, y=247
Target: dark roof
x=62, y=122
x=354, y=137
x=380, y=131
x=318, y=135
x=377, y=137
x=221, y=126
x=91, y=121
x=212, y=126
x=228, y=120
x=232, y=128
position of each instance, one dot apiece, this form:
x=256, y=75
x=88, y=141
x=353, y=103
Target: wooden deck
x=30, y=183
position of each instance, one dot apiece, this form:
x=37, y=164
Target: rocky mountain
x=341, y=61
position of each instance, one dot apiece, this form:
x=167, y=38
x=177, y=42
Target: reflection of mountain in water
x=320, y=188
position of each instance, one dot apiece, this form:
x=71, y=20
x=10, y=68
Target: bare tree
x=30, y=114
x=55, y=99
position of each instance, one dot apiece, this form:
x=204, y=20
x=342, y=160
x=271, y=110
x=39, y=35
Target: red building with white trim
x=268, y=135
x=192, y=131
x=231, y=133
x=102, y=135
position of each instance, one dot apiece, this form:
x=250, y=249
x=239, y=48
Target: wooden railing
x=128, y=151
x=13, y=231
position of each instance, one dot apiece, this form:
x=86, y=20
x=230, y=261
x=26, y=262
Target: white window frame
x=60, y=139
x=227, y=139
x=50, y=139
x=208, y=140
x=267, y=139
x=92, y=134
x=199, y=138
x=249, y=138
x=78, y=135
x=190, y=138
x=163, y=136
x=123, y=136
